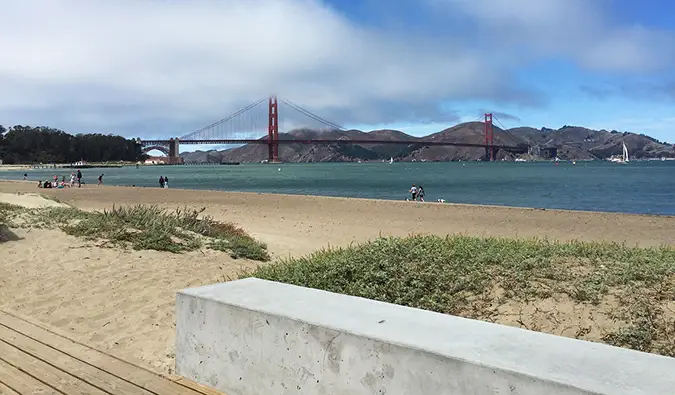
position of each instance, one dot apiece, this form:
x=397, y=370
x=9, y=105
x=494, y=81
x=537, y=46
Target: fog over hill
x=573, y=142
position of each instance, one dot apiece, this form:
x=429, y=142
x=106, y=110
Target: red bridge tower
x=273, y=131
x=489, y=138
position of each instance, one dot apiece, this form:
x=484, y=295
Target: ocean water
x=637, y=187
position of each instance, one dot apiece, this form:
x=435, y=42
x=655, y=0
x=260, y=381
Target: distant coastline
x=46, y=166
x=567, y=143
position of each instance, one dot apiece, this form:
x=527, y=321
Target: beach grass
x=4, y=212
x=7, y=213
x=4, y=219
x=505, y=280
x=148, y=228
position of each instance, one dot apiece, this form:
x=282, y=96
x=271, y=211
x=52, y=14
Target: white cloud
x=158, y=67
x=577, y=30
x=195, y=59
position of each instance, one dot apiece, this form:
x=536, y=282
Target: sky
x=162, y=68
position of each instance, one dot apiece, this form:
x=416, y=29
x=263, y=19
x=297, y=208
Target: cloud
x=505, y=117
x=163, y=68
x=126, y=61
x=580, y=31
x=636, y=90
x=597, y=92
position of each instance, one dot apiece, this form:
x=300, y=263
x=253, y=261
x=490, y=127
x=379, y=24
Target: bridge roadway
x=514, y=149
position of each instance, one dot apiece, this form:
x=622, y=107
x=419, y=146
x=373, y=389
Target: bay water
x=636, y=187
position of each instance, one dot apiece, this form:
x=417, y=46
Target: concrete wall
x=254, y=337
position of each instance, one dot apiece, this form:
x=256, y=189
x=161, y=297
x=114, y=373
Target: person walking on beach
x=72, y=179
x=161, y=181
x=25, y=176
x=100, y=179
x=166, y=182
x=420, y=193
x=413, y=192
x=79, y=178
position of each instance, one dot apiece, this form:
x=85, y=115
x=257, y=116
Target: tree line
x=41, y=144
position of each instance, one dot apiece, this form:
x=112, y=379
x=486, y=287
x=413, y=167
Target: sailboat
x=625, y=153
x=624, y=156
x=391, y=160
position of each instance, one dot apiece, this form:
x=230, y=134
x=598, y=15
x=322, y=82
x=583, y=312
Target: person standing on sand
x=420, y=193
x=72, y=179
x=79, y=178
x=166, y=182
x=25, y=176
x=100, y=179
x=413, y=192
x=161, y=181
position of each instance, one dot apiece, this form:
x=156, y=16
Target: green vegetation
x=498, y=279
x=25, y=144
x=7, y=212
x=146, y=228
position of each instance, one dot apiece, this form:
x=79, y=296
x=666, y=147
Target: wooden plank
x=137, y=375
x=42, y=371
x=21, y=383
x=5, y=390
x=87, y=373
x=202, y=389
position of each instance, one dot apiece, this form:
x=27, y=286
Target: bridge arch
x=160, y=148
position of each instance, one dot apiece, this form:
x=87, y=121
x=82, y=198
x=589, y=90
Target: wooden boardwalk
x=34, y=359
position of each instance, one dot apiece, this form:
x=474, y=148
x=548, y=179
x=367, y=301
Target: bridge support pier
x=489, y=138
x=174, y=153
x=273, y=131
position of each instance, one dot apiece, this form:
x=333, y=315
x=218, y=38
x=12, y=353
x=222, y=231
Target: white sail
x=625, y=153
x=391, y=160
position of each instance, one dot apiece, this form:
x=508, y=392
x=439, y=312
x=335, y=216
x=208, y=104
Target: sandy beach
x=123, y=301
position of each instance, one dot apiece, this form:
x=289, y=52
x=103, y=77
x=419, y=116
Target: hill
x=572, y=142
x=575, y=142
x=471, y=133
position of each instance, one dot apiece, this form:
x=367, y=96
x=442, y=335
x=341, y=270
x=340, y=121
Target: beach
x=122, y=301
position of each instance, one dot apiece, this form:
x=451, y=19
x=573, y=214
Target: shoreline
x=15, y=167
x=300, y=224
x=339, y=198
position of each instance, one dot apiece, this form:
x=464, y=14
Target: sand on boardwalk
x=123, y=301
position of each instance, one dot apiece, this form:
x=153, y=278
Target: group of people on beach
x=416, y=193
x=75, y=177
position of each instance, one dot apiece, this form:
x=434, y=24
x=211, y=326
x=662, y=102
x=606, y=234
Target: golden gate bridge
x=252, y=126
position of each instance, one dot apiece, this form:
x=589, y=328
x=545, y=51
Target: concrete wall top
x=590, y=366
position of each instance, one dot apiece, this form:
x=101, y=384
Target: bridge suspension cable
x=309, y=114
x=213, y=126
x=504, y=129
x=252, y=121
